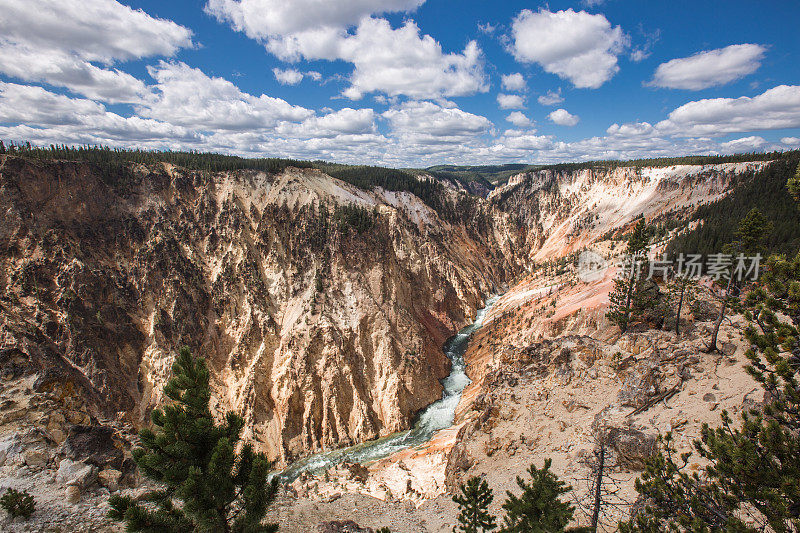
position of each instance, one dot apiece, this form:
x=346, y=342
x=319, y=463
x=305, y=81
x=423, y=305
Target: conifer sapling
x=473, y=504
x=539, y=508
x=205, y=484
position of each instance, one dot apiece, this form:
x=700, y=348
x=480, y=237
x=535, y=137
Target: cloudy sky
x=404, y=82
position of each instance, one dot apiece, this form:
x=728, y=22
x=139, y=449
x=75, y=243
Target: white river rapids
x=437, y=416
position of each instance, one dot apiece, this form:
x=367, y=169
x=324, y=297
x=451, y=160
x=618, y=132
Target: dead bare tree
x=712, y=344
x=682, y=288
x=604, y=488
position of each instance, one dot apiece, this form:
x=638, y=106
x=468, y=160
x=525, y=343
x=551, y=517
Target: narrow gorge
x=324, y=332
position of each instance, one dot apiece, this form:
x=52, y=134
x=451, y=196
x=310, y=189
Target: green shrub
x=18, y=503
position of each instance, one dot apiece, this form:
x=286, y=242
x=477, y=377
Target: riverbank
x=436, y=417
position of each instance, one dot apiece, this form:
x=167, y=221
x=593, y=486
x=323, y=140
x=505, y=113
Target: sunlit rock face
x=566, y=210
x=320, y=334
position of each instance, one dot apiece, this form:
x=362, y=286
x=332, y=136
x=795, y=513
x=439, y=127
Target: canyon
x=325, y=332
x=251, y=271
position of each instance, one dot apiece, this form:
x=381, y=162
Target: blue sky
x=404, y=82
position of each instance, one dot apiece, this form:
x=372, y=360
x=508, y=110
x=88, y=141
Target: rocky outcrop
x=631, y=446
x=94, y=445
x=563, y=210
x=322, y=331
x=343, y=526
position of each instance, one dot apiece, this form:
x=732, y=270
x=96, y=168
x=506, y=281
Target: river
x=437, y=416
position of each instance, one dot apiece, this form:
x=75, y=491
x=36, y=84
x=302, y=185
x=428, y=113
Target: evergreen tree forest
x=117, y=157
x=113, y=164
x=669, y=161
x=353, y=216
x=764, y=190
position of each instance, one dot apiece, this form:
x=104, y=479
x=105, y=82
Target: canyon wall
x=566, y=210
x=321, y=331
x=322, y=324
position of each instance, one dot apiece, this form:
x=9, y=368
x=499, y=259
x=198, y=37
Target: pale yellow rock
x=36, y=458
x=73, y=494
x=57, y=435
x=109, y=478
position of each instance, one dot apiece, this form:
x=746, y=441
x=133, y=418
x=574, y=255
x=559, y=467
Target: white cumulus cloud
x=25, y=103
x=288, y=76
x=576, y=46
x=562, y=117
x=429, y=118
x=710, y=68
x=428, y=132
x=55, y=118
x=631, y=129
x=510, y=101
x=522, y=141
x=744, y=144
x=513, y=82
x=519, y=119
x=393, y=61
x=424, y=126
x=551, y=98
x=346, y=121
x=262, y=19
x=96, y=30
x=188, y=97
x=59, y=42
x=776, y=108
x=64, y=69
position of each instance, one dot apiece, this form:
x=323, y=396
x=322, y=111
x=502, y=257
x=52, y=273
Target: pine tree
x=750, y=483
x=205, y=484
x=675, y=500
x=640, y=238
x=752, y=233
x=619, y=307
x=682, y=290
x=629, y=299
x=473, y=504
x=751, y=236
x=538, y=509
x=794, y=184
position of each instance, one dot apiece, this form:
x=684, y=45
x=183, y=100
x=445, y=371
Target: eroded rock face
x=76, y=473
x=344, y=526
x=94, y=445
x=632, y=447
x=641, y=385
x=566, y=210
x=319, y=334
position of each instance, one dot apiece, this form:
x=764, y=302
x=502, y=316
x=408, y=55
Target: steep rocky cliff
x=322, y=309
x=564, y=210
x=322, y=322
x=550, y=373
